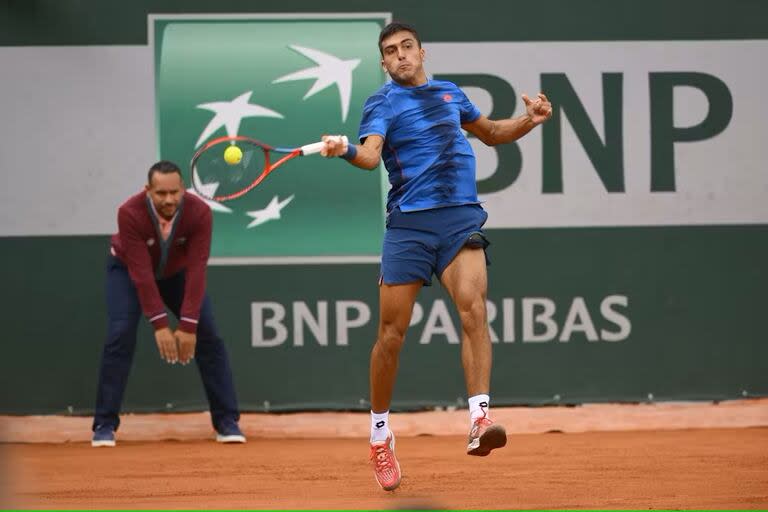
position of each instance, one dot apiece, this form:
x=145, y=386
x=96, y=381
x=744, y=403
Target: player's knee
x=472, y=313
x=391, y=336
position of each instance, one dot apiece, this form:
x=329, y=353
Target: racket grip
x=310, y=149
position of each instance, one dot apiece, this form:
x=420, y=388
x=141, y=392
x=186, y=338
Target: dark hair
x=163, y=167
x=394, y=28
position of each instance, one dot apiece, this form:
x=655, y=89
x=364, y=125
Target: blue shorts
x=421, y=243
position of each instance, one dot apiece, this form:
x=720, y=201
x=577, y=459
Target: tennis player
x=157, y=260
x=433, y=226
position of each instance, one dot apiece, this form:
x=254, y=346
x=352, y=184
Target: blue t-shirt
x=429, y=160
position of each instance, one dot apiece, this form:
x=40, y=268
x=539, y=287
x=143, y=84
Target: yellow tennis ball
x=233, y=155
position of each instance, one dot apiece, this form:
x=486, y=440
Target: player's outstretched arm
x=507, y=130
x=365, y=156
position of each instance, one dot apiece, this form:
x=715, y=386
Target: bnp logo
x=284, y=80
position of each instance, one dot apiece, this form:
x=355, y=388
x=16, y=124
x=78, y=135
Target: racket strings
x=219, y=179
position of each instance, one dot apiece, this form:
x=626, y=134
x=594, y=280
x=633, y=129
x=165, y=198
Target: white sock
x=479, y=406
x=379, y=426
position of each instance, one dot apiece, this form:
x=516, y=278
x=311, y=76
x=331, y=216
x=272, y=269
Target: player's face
x=403, y=59
x=165, y=191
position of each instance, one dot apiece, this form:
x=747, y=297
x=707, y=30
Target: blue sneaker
x=104, y=435
x=229, y=432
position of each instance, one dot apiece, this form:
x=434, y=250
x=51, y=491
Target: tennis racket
x=229, y=167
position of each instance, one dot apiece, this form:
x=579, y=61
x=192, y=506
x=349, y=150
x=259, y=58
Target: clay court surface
x=615, y=457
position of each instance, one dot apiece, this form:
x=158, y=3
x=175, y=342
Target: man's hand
x=539, y=110
x=187, y=342
x=334, y=146
x=166, y=344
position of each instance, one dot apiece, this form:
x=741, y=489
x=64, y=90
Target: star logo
x=271, y=212
x=329, y=70
x=230, y=113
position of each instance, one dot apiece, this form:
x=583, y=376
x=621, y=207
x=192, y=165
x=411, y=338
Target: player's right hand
x=335, y=145
x=166, y=344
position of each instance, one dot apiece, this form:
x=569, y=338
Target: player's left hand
x=539, y=110
x=187, y=342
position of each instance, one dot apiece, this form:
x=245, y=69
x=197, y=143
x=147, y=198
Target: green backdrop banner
x=285, y=81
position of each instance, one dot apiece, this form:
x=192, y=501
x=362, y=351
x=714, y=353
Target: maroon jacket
x=140, y=246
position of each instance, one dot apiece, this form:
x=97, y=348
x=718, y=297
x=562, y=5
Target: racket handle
x=310, y=149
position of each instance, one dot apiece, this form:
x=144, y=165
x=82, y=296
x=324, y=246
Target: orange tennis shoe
x=385, y=465
x=485, y=436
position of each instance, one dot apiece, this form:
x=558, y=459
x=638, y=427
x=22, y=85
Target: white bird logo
x=329, y=70
x=230, y=113
x=271, y=212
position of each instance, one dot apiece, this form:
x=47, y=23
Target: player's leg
x=407, y=263
x=212, y=362
x=465, y=279
x=395, y=308
x=123, y=314
x=462, y=269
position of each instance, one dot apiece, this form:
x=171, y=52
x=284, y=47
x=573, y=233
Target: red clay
x=685, y=469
